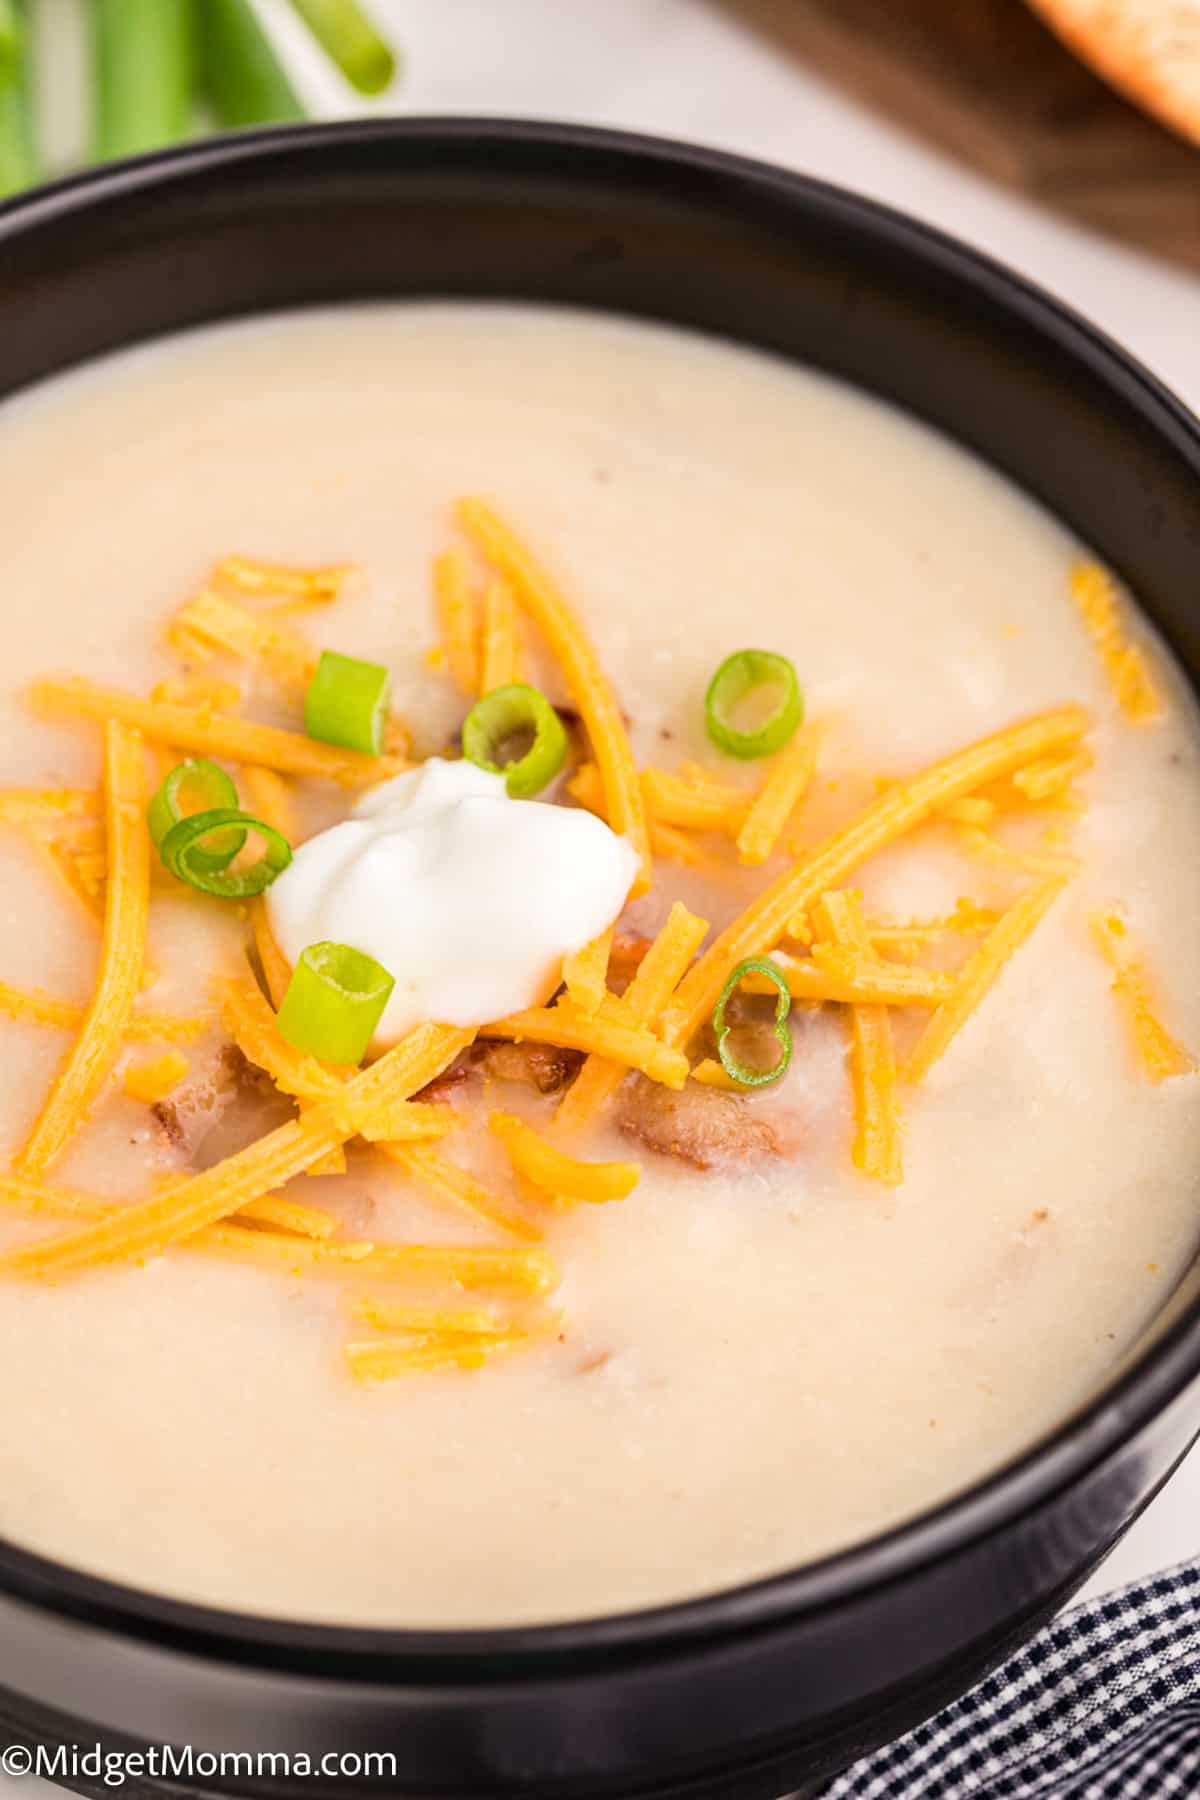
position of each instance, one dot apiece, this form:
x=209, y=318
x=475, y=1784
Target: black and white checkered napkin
x=1104, y=1704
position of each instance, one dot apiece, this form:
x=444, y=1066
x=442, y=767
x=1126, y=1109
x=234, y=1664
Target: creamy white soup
x=761, y=1323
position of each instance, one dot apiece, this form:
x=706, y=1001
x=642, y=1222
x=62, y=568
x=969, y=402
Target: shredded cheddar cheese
x=257, y=577
x=199, y=729
x=761, y=925
x=150, y=1226
x=711, y=1073
x=500, y=646
x=586, y=973
x=37, y=806
x=540, y=1162
x=397, y=1315
x=122, y=952
x=270, y=644
x=271, y=801
x=853, y=977
x=66, y=1015
x=1159, y=1053
x=589, y=689
x=447, y=1182
x=877, y=1143
x=152, y=1081
x=695, y=800
x=1052, y=777
x=781, y=793
x=458, y=619
x=382, y=1359
x=979, y=973
x=567, y=1029
x=654, y=980
x=1133, y=685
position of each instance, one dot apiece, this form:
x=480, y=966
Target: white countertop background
x=685, y=68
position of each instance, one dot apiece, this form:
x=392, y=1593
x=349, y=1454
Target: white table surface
x=685, y=68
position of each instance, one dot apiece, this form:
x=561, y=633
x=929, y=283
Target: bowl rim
x=1143, y=1390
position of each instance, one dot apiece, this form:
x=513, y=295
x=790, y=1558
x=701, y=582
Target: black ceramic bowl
x=767, y=1688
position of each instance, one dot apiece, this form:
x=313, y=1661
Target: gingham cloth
x=1104, y=1704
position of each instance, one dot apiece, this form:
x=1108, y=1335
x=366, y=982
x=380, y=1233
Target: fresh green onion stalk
x=334, y=1002
x=143, y=74
x=516, y=715
x=347, y=703
x=740, y=685
x=741, y=1072
x=350, y=39
x=205, y=866
x=18, y=149
x=240, y=75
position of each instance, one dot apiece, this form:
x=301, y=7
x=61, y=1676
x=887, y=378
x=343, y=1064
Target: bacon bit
x=546, y=1067
x=699, y=1126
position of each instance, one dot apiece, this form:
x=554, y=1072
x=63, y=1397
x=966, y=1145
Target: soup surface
x=758, y=1361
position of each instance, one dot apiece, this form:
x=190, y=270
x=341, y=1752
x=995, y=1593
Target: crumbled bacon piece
x=700, y=1126
x=220, y=1110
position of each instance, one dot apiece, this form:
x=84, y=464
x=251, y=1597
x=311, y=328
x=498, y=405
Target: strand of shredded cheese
x=270, y=644
x=148, y=1227
x=503, y=1268
x=852, y=977
x=500, y=646
x=32, y=806
x=122, y=951
x=255, y=576
x=587, y=685
x=1133, y=686
x=653, y=983
x=198, y=728
x=586, y=973
x=449, y=1182
x=382, y=1359
x=1160, y=1055
x=540, y=1162
x=458, y=619
x=1046, y=779
x=781, y=793
x=567, y=1029
x=396, y=1315
x=67, y=1015
x=271, y=800
x=979, y=973
x=695, y=800
x=152, y=1081
x=289, y=1215
x=877, y=1149
x=710, y=1073
x=1006, y=856
x=761, y=925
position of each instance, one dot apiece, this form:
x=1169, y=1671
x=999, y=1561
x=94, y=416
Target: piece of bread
x=1150, y=49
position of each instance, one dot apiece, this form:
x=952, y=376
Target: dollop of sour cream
x=468, y=898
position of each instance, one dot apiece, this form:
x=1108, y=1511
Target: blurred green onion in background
x=161, y=70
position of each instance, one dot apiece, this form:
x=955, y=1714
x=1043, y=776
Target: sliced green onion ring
x=185, y=855
x=516, y=715
x=334, y=1002
x=347, y=703
x=212, y=788
x=741, y=1073
x=737, y=678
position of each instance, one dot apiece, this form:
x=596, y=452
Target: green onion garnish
x=350, y=39
x=240, y=75
x=515, y=732
x=741, y=1073
x=761, y=674
x=334, y=1002
x=143, y=52
x=184, y=853
x=347, y=703
x=208, y=787
x=19, y=164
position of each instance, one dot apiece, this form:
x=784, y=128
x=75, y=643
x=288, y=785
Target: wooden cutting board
x=988, y=83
